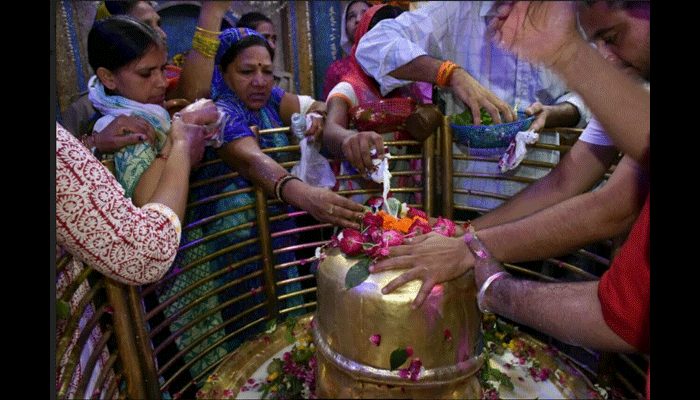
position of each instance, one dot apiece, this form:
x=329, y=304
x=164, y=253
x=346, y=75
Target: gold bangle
x=445, y=73
x=207, y=46
x=208, y=31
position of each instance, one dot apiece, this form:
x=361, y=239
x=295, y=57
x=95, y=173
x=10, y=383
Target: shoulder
x=345, y=91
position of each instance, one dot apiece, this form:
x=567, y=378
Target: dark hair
x=242, y=44
x=117, y=41
x=385, y=12
x=121, y=7
x=251, y=20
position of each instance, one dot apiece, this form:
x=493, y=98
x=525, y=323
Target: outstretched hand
x=357, y=150
x=541, y=31
x=432, y=258
x=124, y=130
x=327, y=206
x=476, y=97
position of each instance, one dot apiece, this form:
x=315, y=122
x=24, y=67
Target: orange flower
x=403, y=224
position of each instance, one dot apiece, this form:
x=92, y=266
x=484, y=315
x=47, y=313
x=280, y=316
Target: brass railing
x=158, y=340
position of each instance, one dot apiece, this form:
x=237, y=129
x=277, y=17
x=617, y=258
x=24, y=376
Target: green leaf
x=393, y=206
x=397, y=358
x=289, y=337
x=274, y=366
x=500, y=377
x=358, y=273
x=465, y=118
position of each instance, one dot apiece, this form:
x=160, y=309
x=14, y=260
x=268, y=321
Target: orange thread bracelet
x=445, y=73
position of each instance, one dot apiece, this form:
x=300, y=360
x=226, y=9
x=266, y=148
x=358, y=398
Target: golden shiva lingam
x=374, y=345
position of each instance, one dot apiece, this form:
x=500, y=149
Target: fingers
x=357, y=150
x=340, y=211
x=399, y=281
x=539, y=111
x=408, y=276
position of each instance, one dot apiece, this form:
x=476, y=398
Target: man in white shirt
x=414, y=46
x=558, y=213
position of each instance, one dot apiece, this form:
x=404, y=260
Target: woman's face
x=353, y=17
x=143, y=80
x=268, y=31
x=250, y=76
x=146, y=13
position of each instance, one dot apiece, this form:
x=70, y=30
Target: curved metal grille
x=245, y=262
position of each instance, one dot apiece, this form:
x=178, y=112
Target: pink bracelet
x=487, y=283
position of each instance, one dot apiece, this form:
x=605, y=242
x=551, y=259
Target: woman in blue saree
x=243, y=91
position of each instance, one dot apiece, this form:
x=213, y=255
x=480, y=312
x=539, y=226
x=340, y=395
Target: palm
x=538, y=31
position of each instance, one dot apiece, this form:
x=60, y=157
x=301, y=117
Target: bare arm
x=579, y=169
x=465, y=86
x=195, y=79
x=580, y=220
x=170, y=173
x=570, y=312
x=245, y=156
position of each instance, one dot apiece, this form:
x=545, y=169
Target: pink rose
x=375, y=203
x=392, y=238
x=377, y=250
x=420, y=227
x=444, y=227
x=375, y=339
x=414, y=212
x=372, y=220
x=351, y=242
x=371, y=234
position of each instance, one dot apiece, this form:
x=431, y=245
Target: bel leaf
x=358, y=273
x=398, y=357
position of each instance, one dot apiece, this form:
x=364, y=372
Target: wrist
x=482, y=296
x=444, y=75
x=90, y=142
x=282, y=183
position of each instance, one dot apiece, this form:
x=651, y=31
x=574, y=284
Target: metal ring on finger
x=330, y=209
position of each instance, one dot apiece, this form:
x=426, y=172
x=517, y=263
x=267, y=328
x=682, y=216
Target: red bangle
x=163, y=156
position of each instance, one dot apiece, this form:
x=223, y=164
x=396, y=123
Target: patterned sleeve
x=101, y=227
x=235, y=122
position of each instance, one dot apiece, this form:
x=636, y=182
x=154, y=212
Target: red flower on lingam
x=419, y=227
x=350, y=242
x=444, y=227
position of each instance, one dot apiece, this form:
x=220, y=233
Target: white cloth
x=595, y=134
x=456, y=31
x=345, y=91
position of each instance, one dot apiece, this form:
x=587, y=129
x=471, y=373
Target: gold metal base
x=356, y=331
x=334, y=383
